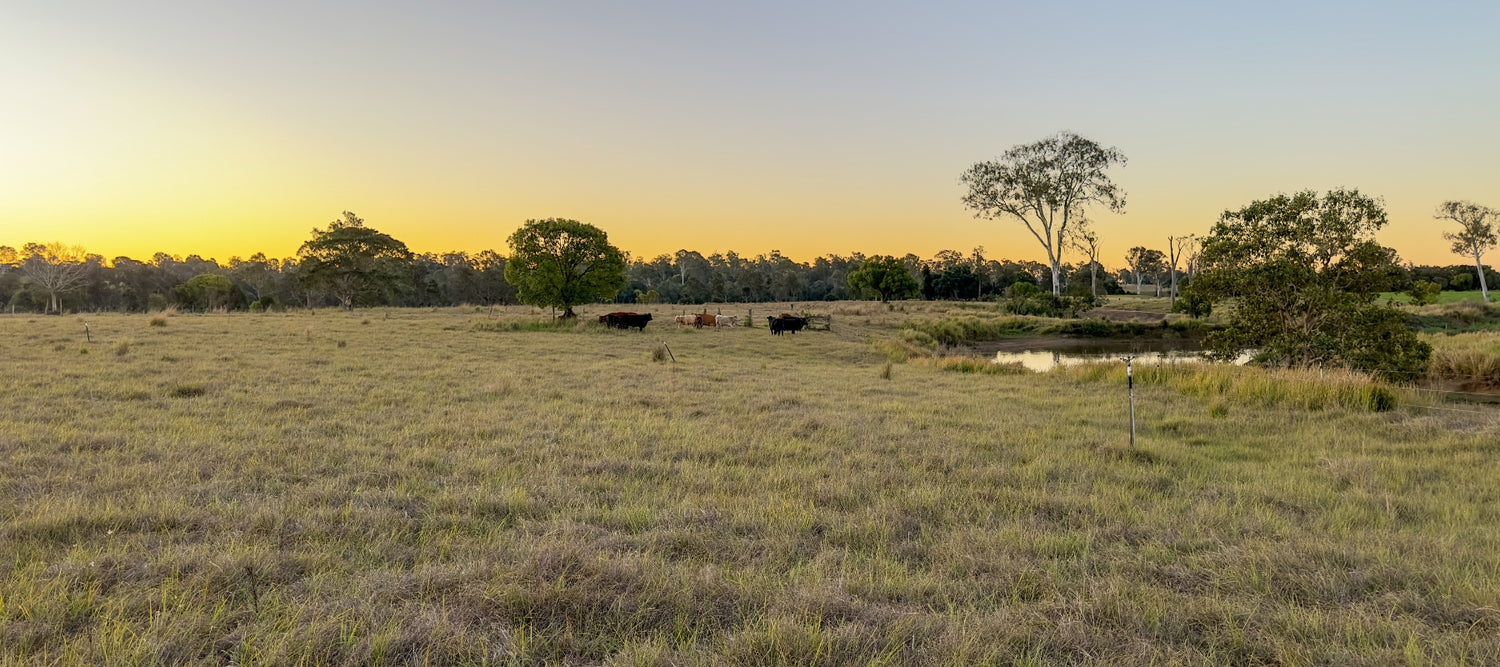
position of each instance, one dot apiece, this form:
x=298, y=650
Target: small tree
x=55, y=268
x=1086, y=240
x=1475, y=237
x=886, y=276
x=1046, y=185
x=1144, y=261
x=563, y=263
x=354, y=262
x=1423, y=292
x=206, y=291
x=1180, y=248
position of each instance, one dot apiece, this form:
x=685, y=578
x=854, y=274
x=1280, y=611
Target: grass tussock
x=186, y=390
x=122, y=348
x=158, y=322
x=1252, y=385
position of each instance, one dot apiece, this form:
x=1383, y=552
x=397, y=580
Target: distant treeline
x=455, y=278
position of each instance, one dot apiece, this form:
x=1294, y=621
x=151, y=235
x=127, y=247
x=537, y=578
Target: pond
x=1045, y=353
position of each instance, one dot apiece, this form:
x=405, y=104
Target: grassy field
x=1442, y=298
x=469, y=487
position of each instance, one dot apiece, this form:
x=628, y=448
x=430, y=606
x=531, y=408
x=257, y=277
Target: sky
x=809, y=127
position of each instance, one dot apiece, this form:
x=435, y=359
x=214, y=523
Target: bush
x=266, y=303
x=156, y=303
x=1423, y=292
x=1193, y=303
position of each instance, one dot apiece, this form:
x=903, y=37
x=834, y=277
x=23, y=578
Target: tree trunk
x=1094, y=278
x=1056, y=279
x=1137, y=283
x=1484, y=288
x=1174, y=288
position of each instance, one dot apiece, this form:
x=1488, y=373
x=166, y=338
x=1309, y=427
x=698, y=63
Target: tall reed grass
x=1306, y=389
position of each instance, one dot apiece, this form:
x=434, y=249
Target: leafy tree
x=56, y=268
x=1476, y=235
x=206, y=291
x=1046, y=185
x=1305, y=271
x=1423, y=292
x=886, y=276
x=563, y=263
x=354, y=262
x=1144, y=261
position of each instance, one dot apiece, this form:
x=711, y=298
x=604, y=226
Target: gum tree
x=354, y=262
x=1476, y=235
x=563, y=263
x=54, y=267
x=1047, y=185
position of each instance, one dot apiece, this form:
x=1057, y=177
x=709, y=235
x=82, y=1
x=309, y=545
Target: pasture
x=476, y=486
x=1443, y=297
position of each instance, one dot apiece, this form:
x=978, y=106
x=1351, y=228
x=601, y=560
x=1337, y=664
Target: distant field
x=467, y=486
x=1443, y=297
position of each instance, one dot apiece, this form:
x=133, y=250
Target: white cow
x=727, y=321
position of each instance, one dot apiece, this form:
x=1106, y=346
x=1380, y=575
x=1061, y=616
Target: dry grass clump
x=158, y=322
x=122, y=348
x=1304, y=389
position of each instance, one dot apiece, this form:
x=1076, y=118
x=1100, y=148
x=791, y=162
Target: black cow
x=786, y=323
x=628, y=320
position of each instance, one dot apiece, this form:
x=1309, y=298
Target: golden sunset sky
x=224, y=129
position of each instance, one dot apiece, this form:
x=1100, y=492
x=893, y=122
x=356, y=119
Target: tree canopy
x=886, y=276
x=358, y=264
x=1305, y=270
x=1047, y=185
x=562, y=263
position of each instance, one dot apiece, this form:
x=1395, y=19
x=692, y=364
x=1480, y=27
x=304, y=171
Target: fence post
x=1130, y=386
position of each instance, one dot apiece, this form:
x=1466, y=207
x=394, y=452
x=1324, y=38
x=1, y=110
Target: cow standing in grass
x=627, y=320
x=786, y=322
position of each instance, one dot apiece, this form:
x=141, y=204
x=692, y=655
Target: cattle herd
x=785, y=322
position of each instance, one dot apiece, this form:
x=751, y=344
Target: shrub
x=1193, y=303
x=156, y=302
x=1423, y=292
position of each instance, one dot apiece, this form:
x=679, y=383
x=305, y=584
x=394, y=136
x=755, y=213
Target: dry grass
x=237, y=490
x=1467, y=360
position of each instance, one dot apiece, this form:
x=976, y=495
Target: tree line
x=53, y=277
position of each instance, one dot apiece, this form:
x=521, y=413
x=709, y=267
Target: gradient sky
x=810, y=127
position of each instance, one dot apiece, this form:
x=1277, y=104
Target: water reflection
x=1046, y=360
